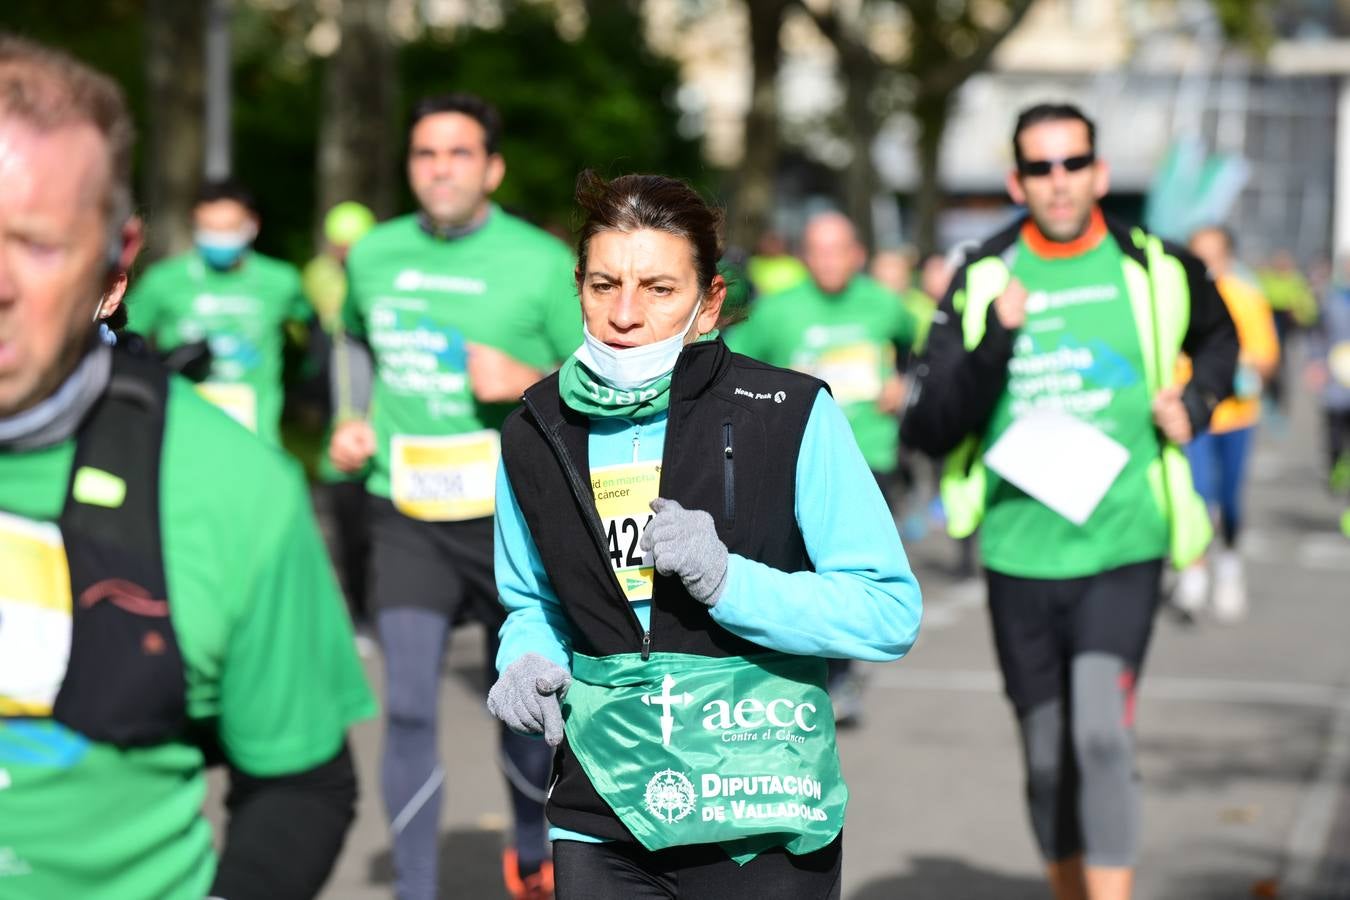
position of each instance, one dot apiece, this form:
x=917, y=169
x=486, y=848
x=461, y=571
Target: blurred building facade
x=1156, y=74
x=1156, y=77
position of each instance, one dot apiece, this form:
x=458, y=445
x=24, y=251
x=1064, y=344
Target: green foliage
x=603, y=102
x=1246, y=22
x=276, y=122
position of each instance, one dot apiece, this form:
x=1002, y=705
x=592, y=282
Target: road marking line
x=956, y=601
x=1161, y=688
x=1316, y=816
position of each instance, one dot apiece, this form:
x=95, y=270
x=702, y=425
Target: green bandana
x=588, y=395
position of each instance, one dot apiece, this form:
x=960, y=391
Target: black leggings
x=1071, y=651
x=624, y=871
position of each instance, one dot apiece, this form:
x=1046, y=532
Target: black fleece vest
x=732, y=440
x=125, y=682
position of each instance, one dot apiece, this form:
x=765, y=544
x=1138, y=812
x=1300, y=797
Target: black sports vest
x=125, y=683
x=732, y=439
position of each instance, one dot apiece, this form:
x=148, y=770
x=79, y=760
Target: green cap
x=347, y=222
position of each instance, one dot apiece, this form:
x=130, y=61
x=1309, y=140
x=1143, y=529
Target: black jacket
x=956, y=391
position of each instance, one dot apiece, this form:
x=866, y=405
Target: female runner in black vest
x=684, y=535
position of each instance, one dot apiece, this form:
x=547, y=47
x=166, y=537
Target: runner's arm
x=1211, y=343
x=862, y=601
x=535, y=621
x=955, y=390
x=352, y=375
x=285, y=833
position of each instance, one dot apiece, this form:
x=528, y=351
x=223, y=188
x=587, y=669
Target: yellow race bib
x=445, y=479
x=853, y=372
x=35, y=616
x=1338, y=362
x=239, y=401
x=623, y=497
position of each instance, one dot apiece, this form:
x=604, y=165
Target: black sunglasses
x=1039, y=168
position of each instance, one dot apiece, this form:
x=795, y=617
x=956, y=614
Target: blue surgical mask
x=632, y=367
x=222, y=249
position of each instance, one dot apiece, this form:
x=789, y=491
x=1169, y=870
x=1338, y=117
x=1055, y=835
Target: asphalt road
x=1243, y=738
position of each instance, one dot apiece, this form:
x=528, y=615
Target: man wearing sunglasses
x=1048, y=385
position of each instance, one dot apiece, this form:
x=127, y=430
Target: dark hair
x=655, y=202
x=470, y=105
x=49, y=89
x=1051, y=112
x=217, y=189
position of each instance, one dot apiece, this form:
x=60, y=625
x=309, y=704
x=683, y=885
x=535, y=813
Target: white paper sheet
x=1060, y=460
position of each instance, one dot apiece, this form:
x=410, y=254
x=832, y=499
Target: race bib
x=445, y=479
x=35, y=616
x=1338, y=363
x=623, y=496
x=239, y=401
x=853, y=372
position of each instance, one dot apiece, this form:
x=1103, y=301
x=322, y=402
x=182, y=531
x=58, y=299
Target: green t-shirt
x=848, y=340
x=1078, y=352
x=240, y=313
x=417, y=299
x=267, y=649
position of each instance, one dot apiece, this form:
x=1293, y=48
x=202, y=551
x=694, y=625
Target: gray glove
x=525, y=697
x=684, y=542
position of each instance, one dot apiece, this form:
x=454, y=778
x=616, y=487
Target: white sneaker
x=1192, y=589
x=1230, y=588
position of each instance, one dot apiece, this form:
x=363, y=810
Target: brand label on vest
x=445, y=479
x=623, y=497
x=239, y=401
x=35, y=616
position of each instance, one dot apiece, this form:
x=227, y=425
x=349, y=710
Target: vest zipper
x=637, y=440
x=586, y=499
x=646, y=645
x=729, y=473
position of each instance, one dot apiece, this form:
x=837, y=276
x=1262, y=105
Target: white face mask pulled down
x=632, y=367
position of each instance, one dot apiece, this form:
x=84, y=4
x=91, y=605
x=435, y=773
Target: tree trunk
x=860, y=179
x=174, y=72
x=930, y=113
x=356, y=159
x=752, y=206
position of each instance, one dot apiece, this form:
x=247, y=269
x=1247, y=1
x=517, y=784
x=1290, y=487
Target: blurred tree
x=356, y=156
x=946, y=43
x=175, y=39
x=602, y=101
x=277, y=90
x=754, y=191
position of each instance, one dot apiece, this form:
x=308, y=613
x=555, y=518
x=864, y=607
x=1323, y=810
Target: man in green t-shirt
x=1049, y=379
x=165, y=597
x=843, y=327
x=451, y=313
x=236, y=300
x=848, y=330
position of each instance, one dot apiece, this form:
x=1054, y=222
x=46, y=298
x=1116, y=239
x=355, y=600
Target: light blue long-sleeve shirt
x=861, y=602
